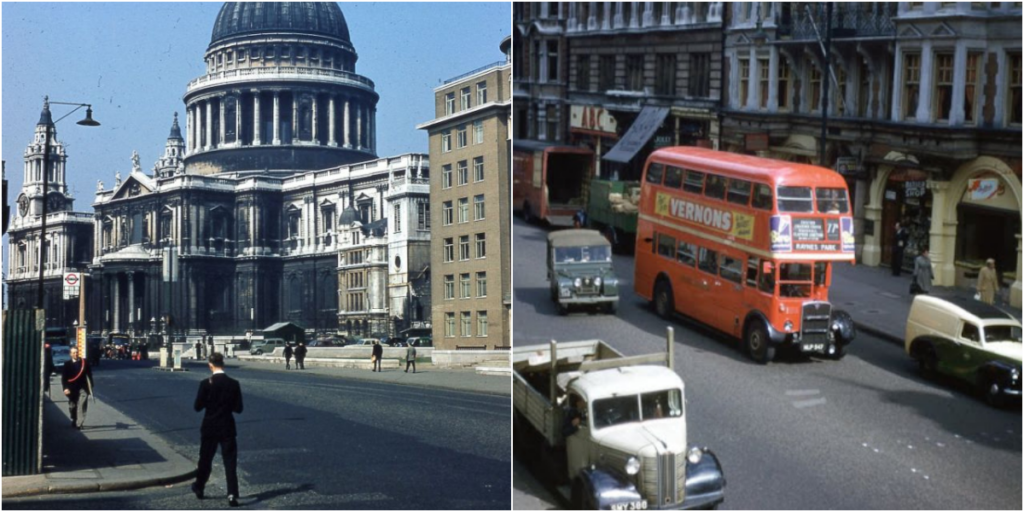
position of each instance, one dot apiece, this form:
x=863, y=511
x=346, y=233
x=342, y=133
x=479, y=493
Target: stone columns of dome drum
x=209, y=125
x=359, y=127
x=331, y=141
x=277, y=118
x=295, y=119
x=188, y=130
x=316, y=120
x=221, y=137
x=199, y=127
x=346, y=124
x=238, y=119
x=256, y=118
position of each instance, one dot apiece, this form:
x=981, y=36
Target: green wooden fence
x=22, y=392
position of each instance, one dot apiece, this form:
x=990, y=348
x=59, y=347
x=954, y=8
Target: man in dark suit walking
x=378, y=353
x=300, y=356
x=221, y=397
x=76, y=378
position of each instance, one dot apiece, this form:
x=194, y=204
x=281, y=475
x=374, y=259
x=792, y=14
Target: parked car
x=265, y=347
x=397, y=342
x=362, y=342
x=580, y=270
x=321, y=343
x=61, y=355
x=420, y=341
x=967, y=340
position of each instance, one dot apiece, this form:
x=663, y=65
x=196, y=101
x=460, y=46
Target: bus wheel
x=664, y=303
x=758, y=345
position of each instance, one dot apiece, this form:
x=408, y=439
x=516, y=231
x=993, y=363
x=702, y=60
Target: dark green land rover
x=580, y=270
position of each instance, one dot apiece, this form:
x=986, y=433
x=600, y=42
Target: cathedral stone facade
x=270, y=202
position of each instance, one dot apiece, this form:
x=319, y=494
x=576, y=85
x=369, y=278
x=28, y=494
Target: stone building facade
x=470, y=193
x=68, y=245
x=253, y=215
x=923, y=117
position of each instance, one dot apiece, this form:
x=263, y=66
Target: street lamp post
x=50, y=128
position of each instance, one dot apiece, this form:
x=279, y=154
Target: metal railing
x=496, y=64
x=229, y=74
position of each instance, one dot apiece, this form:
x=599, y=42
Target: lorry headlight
x=578, y=282
x=788, y=326
x=632, y=466
x=694, y=454
x=597, y=281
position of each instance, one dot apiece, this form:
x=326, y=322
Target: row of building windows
x=448, y=210
x=696, y=73
x=941, y=83
x=465, y=286
x=464, y=247
x=461, y=137
x=465, y=324
x=465, y=98
x=463, y=172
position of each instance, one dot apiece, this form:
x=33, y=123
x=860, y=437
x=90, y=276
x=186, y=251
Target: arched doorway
x=906, y=199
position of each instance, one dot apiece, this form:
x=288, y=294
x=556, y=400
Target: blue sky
x=132, y=61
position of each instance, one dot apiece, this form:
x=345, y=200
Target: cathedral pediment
x=137, y=184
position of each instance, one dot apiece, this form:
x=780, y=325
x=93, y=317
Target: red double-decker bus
x=745, y=245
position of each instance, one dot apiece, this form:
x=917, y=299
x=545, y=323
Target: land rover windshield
x=583, y=254
x=652, y=406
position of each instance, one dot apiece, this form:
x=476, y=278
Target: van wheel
x=563, y=309
x=927, y=361
x=664, y=301
x=758, y=345
x=259, y=352
x=992, y=391
x=611, y=308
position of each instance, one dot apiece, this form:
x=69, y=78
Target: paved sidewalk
x=427, y=375
x=879, y=302
x=111, y=453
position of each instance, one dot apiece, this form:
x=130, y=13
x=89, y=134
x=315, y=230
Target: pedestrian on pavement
x=221, y=397
x=988, y=282
x=410, y=358
x=76, y=379
x=288, y=357
x=923, y=275
x=199, y=350
x=48, y=361
x=378, y=353
x=300, y=356
x=898, y=245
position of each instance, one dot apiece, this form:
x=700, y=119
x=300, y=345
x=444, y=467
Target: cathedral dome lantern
x=280, y=92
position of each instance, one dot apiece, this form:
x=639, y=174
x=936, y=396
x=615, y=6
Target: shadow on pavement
x=66, y=449
x=267, y=495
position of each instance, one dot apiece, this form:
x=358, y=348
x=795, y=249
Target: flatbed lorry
x=628, y=450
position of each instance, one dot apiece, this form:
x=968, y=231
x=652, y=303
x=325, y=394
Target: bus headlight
x=632, y=466
x=578, y=282
x=694, y=454
x=597, y=282
x=788, y=326
x=782, y=308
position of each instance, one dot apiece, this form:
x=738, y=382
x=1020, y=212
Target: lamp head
x=88, y=121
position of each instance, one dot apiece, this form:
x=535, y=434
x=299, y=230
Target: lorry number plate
x=632, y=505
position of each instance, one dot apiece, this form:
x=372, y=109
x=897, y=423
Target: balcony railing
x=497, y=64
x=849, y=20
x=232, y=75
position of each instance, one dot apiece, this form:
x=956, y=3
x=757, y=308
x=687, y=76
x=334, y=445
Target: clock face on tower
x=23, y=206
x=54, y=203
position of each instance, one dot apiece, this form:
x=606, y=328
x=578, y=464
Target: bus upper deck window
x=795, y=199
x=694, y=182
x=762, y=197
x=832, y=200
x=739, y=191
x=673, y=177
x=654, y=172
x=716, y=187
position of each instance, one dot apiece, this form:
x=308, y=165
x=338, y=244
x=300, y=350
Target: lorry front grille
x=814, y=324
x=664, y=479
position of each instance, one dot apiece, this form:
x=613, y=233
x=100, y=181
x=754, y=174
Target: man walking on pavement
x=76, y=380
x=378, y=353
x=922, y=273
x=288, y=357
x=300, y=356
x=898, y=245
x=221, y=397
x=410, y=358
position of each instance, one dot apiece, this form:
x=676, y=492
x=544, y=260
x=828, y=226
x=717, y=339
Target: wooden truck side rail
x=536, y=408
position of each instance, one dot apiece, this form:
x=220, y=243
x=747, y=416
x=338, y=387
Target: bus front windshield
x=583, y=254
x=652, y=406
x=799, y=279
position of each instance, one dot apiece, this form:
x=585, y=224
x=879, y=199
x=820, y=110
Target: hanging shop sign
x=983, y=189
x=588, y=119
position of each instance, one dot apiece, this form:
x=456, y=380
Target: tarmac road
x=867, y=432
x=318, y=442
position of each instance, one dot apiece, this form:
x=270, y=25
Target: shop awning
x=647, y=122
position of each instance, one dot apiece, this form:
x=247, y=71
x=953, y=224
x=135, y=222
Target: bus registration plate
x=813, y=347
